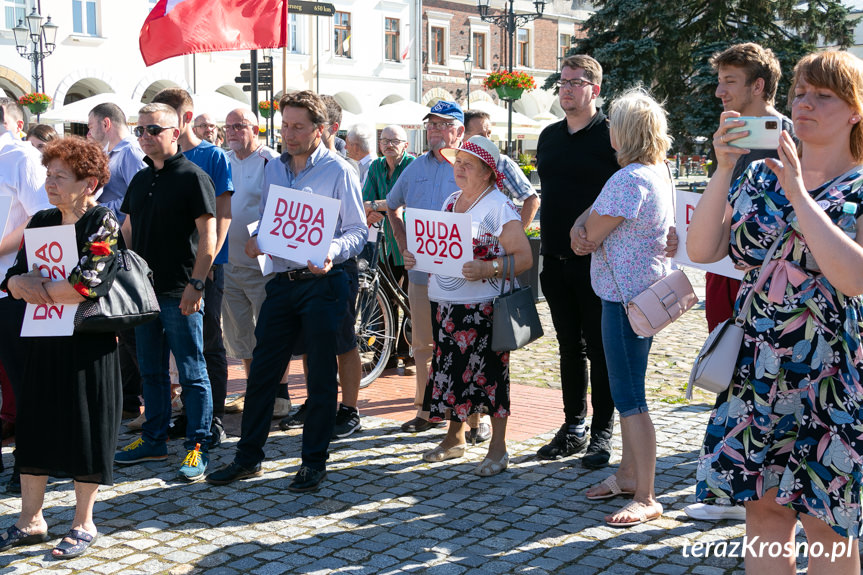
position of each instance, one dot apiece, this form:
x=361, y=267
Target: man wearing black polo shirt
x=172, y=207
x=574, y=159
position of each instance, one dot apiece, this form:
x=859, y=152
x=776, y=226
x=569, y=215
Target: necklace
x=478, y=198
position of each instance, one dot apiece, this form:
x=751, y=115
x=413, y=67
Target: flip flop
x=614, y=490
x=15, y=538
x=69, y=550
x=637, y=509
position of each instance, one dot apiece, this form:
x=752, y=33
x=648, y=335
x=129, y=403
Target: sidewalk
x=383, y=510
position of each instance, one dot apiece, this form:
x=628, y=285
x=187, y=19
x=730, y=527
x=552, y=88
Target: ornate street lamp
x=468, y=72
x=509, y=22
x=35, y=42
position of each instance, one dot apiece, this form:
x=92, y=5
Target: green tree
x=666, y=45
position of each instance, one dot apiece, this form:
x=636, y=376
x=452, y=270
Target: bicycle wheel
x=375, y=334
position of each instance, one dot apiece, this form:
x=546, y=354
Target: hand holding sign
x=298, y=226
x=440, y=241
x=54, y=252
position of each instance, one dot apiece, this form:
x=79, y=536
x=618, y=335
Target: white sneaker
x=282, y=408
x=707, y=512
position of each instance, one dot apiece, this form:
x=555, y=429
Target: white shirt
x=248, y=178
x=364, y=164
x=22, y=176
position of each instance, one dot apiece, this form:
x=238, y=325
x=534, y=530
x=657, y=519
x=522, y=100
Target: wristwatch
x=374, y=205
x=494, y=268
x=197, y=284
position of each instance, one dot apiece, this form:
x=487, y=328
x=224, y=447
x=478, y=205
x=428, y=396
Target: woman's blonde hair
x=842, y=74
x=640, y=128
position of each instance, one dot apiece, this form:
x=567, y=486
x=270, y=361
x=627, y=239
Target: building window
x=565, y=45
x=342, y=29
x=15, y=10
x=296, y=35
x=522, y=48
x=391, y=39
x=84, y=17
x=437, y=47
x=479, y=51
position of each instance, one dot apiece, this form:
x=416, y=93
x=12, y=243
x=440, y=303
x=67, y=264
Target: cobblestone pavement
x=383, y=510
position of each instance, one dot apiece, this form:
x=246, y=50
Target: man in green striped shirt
x=382, y=175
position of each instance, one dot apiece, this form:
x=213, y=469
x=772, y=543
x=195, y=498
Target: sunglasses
x=152, y=129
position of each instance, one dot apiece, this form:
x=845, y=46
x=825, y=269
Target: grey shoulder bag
x=515, y=322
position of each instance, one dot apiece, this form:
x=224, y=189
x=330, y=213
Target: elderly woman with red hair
x=70, y=402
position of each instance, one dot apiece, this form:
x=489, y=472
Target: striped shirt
x=378, y=185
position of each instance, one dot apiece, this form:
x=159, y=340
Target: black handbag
x=515, y=322
x=130, y=302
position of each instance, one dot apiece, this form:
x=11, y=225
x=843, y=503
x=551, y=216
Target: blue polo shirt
x=425, y=184
x=213, y=160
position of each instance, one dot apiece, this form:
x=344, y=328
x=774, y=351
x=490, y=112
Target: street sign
x=313, y=8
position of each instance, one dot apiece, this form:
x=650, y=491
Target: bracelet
x=495, y=268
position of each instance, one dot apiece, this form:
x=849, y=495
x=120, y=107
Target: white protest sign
x=298, y=226
x=55, y=251
x=686, y=202
x=440, y=241
x=5, y=207
x=265, y=261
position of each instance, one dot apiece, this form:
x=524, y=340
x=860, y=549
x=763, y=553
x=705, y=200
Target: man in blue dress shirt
x=302, y=300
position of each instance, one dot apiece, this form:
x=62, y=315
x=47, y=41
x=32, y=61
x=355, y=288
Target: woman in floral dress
x=70, y=402
x=466, y=375
x=786, y=437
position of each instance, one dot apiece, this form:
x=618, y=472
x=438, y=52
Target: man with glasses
x=244, y=282
x=214, y=162
x=478, y=123
x=425, y=184
x=574, y=159
x=106, y=125
x=171, y=206
x=303, y=300
x=205, y=128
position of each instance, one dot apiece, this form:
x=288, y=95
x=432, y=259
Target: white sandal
x=614, y=490
x=489, y=467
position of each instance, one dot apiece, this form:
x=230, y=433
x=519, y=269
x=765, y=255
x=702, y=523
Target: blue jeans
x=626, y=357
x=182, y=335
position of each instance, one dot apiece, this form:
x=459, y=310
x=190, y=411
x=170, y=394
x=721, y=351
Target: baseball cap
x=445, y=109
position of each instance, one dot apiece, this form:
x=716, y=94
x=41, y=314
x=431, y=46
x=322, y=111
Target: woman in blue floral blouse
x=69, y=404
x=785, y=439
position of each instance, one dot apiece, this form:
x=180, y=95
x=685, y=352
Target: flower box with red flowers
x=509, y=85
x=35, y=101
x=268, y=108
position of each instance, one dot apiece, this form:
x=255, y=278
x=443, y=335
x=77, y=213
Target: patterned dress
x=793, y=415
x=466, y=376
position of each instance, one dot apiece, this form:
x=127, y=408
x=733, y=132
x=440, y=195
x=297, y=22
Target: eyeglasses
x=393, y=142
x=152, y=129
x=574, y=83
x=208, y=126
x=438, y=125
x=237, y=127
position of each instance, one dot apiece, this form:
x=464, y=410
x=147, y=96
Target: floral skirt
x=466, y=376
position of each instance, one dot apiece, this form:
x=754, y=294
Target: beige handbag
x=660, y=304
x=715, y=364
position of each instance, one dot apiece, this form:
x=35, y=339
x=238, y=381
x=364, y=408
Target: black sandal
x=69, y=550
x=15, y=538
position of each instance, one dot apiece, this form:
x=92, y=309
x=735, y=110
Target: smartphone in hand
x=764, y=132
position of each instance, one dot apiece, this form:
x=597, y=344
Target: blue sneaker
x=140, y=450
x=195, y=464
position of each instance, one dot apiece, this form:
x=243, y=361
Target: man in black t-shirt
x=171, y=205
x=574, y=160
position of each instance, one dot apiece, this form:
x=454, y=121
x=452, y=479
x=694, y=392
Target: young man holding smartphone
x=748, y=75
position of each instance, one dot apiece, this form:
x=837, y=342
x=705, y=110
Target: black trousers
x=576, y=312
x=313, y=309
x=12, y=345
x=214, y=345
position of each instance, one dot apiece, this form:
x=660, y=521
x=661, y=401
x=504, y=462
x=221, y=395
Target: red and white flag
x=178, y=27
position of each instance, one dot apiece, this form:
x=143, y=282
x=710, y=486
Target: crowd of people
x=780, y=444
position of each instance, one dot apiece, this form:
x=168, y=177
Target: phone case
x=760, y=137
